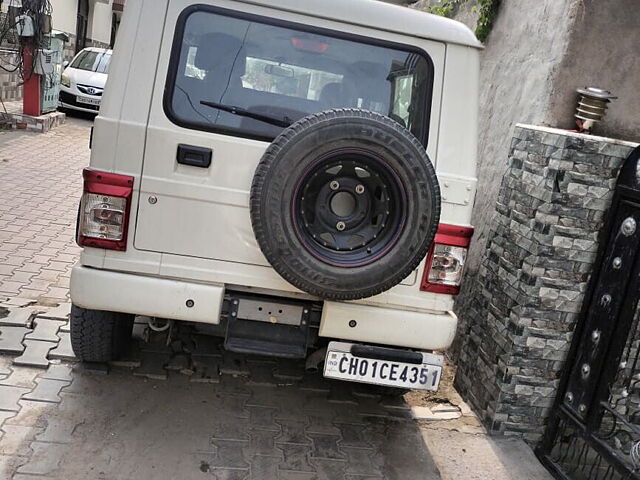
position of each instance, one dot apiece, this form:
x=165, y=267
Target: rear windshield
x=92, y=61
x=286, y=72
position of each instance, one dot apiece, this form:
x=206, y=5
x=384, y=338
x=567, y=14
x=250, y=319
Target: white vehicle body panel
x=166, y=244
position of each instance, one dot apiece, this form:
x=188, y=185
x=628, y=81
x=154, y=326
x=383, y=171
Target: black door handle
x=194, y=156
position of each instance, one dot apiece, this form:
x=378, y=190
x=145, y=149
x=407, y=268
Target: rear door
x=199, y=161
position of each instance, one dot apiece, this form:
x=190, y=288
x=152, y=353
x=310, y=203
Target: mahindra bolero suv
x=294, y=176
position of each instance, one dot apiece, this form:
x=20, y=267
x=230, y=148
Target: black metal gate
x=594, y=430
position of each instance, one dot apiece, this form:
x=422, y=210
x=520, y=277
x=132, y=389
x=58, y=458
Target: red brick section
x=118, y=5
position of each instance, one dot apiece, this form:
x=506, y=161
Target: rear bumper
x=69, y=100
x=161, y=297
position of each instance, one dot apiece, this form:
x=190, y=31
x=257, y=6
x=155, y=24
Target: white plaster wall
x=100, y=16
x=64, y=15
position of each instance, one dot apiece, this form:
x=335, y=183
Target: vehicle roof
x=382, y=16
x=99, y=50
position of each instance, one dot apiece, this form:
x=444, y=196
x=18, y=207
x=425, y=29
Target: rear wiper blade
x=243, y=112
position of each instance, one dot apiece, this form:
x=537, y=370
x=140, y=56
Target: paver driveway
x=178, y=411
x=40, y=185
x=187, y=409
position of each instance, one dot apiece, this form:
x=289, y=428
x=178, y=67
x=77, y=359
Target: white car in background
x=83, y=80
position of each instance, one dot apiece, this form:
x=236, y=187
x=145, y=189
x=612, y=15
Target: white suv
x=299, y=176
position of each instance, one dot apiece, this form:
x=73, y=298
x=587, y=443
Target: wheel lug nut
x=359, y=189
x=334, y=185
x=340, y=226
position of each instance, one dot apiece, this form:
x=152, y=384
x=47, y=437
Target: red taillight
x=309, y=45
x=446, y=260
x=104, y=211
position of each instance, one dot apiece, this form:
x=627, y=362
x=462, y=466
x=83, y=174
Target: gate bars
x=594, y=428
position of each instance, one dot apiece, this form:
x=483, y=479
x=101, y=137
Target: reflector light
x=446, y=260
x=309, y=45
x=104, y=210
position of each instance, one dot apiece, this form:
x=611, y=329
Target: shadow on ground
x=189, y=410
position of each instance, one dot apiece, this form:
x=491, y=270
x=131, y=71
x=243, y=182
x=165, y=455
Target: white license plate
x=88, y=101
x=341, y=364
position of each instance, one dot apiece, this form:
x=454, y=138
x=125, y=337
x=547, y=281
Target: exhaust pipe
x=159, y=324
x=314, y=360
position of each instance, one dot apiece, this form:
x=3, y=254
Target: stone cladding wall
x=540, y=250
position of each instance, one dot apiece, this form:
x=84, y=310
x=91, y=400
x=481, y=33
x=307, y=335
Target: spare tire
x=345, y=204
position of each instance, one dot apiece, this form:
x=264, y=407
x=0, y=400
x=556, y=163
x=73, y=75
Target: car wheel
x=345, y=204
x=99, y=336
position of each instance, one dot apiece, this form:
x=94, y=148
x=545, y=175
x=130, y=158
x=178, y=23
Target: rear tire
x=345, y=204
x=99, y=336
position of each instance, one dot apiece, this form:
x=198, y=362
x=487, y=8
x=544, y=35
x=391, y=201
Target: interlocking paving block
x=262, y=442
x=19, y=302
x=361, y=462
x=289, y=371
x=11, y=339
x=24, y=377
x=58, y=372
x=65, y=327
x=234, y=364
x=58, y=431
x=267, y=396
x=230, y=385
x=263, y=418
x=46, y=330
x=15, y=440
x=5, y=366
x=32, y=414
x=330, y=469
x=394, y=401
x=21, y=317
x=46, y=390
x=369, y=477
x=342, y=392
x=26, y=476
x=295, y=458
x=326, y=446
x=63, y=351
x=263, y=467
x=206, y=345
x=5, y=415
x=206, y=369
x=315, y=382
x=353, y=435
x=152, y=365
x=230, y=428
x=262, y=375
x=226, y=473
x=292, y=432
x=61, y=312
x=370, y=407
x=228, y=454
x=45, y=458
x=321, y=422
x=35, y=354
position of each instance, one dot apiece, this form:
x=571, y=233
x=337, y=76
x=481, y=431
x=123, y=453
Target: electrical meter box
x=49, y=62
